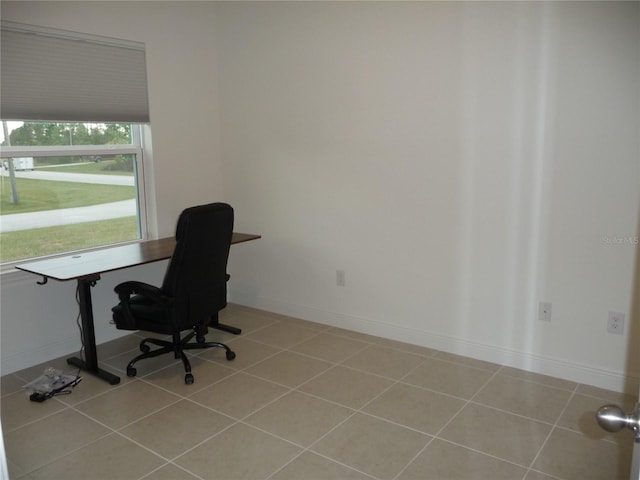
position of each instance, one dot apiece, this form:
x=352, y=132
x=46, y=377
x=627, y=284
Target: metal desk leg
x=90, y=364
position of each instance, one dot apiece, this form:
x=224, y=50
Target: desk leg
x=90, y=364
x=225, y=328
x=214, y=323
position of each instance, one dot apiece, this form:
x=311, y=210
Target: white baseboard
x=531, y=362
x=46, y=353
x=42, y=354
x=575, y=372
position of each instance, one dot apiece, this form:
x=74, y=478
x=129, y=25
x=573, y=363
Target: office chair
x=190, y=296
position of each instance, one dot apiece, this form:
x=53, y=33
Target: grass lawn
x=39, y=195
x=51, y=240
x=93, y=167
x=42, y=195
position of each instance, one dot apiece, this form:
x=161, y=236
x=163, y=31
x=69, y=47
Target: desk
x=86, y=269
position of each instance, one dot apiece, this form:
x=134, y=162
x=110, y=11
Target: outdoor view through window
x=67, y=187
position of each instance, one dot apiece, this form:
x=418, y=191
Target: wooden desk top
x=91, y=264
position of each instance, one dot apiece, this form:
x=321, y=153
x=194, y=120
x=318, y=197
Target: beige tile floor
x=307, y=401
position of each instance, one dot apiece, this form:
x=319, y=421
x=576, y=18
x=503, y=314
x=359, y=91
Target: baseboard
x=574, y=372
x=46, y=353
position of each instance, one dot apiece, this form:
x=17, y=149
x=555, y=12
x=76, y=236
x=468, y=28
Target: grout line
x=363, y=345
x=6, y=430
x=453, y=417
x=155, y=470
x=553, y=428
x=361, y=411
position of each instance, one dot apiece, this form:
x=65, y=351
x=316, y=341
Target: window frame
x=134, y=148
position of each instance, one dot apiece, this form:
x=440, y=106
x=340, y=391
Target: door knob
x=613, y=419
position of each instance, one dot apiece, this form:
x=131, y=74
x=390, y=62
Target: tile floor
x=307, y=401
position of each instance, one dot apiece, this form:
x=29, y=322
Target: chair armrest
x=126, y=289
x=134, y=293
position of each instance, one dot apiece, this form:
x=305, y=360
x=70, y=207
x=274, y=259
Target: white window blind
x=54, y=75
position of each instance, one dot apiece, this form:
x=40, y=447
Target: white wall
x=459, y=161
x=38, y=322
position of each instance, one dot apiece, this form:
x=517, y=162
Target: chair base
x=177, y=347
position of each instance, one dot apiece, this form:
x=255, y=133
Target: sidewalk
x=50, y=218
x=74, y=177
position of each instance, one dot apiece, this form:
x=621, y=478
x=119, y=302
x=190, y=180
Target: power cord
x=67, y=388
x=79, y=324
x=64, y=390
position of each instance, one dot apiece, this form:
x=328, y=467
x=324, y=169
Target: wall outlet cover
x=615, y=323
x=544, y=311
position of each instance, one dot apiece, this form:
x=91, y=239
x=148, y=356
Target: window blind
x=54, y=75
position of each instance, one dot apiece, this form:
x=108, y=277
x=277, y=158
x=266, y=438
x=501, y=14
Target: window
x=68, y=186
x=73, y=105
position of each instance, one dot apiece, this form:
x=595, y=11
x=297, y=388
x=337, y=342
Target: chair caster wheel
x=201, y=339
x=230, y=355
x=131, y=372
x=144, y=348
x=188, y=379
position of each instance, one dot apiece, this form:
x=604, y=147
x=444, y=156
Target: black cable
x=67, y=388
x=79, y=324
x=41, y=397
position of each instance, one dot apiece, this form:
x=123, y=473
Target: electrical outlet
x=340, y=278
x=544, y=311
x=615, y=323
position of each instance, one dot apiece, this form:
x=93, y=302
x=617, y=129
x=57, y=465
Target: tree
x=50, y=134
x=15, y=199
x=44, y=134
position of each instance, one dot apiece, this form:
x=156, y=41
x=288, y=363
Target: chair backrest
x=197, y=270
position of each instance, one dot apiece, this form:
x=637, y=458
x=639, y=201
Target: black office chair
x=190, y=296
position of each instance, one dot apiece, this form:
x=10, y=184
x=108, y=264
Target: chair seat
x=149, y=316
